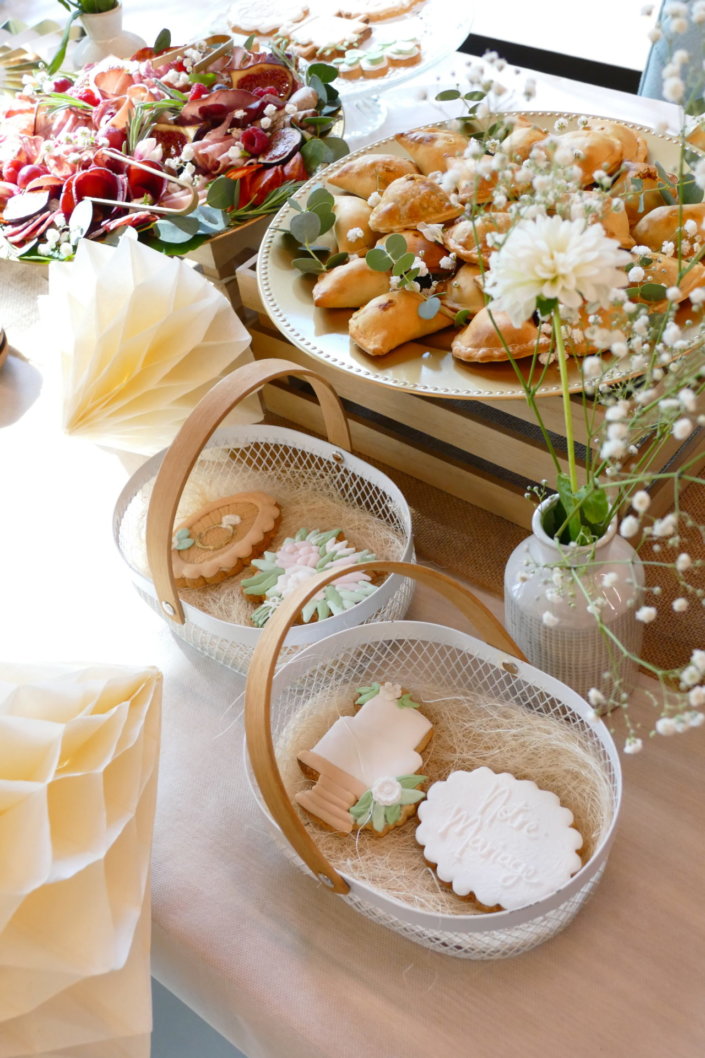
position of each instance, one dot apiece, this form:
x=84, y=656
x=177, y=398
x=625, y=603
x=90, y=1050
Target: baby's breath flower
x=633, y=745
x=641, y=501
x=549, y=619
x=683, y=562
x=682, y=428
x=680, y=605
x=629, y=527
x=666, y=725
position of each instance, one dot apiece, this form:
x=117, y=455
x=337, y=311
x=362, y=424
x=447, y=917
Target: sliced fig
x=274, y=75
x=215, y=105
x=284, y=142
x=23, y=207
x=172, y=138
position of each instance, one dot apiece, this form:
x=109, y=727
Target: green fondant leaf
x=378, y=817
x=407, y=702
x=322, y=610
x=363, y=807
x=262, y=582
x=308, y=611
x=365, y=693
x=301, y=535
x=409, y=782
x=410, y=797
x=392, y=814
x=333, y=598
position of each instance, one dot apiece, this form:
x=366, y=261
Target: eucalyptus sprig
x=395, y=257
x=307, y=225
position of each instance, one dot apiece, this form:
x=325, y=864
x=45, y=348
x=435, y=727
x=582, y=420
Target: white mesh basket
x=281, y=455
x=418, y=655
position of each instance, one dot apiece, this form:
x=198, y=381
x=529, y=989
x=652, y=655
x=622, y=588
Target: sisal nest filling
x=305, y=501
x=468, y=732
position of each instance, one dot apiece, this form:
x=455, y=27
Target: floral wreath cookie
x=221, y=538
x=264, y=16
x=502, y=839
x=297, y=560
x=366, y=765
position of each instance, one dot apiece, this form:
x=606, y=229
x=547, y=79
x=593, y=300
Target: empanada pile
x=455, y=198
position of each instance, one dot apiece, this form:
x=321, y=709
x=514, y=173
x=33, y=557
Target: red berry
x=62, y=84
x=87, y=95
x=254, y=140
x=28, y=173
x=198, y=91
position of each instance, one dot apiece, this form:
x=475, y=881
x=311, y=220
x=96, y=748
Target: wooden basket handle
x=181, y=457
x=258, y=692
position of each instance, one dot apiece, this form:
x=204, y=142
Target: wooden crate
x=484, y=452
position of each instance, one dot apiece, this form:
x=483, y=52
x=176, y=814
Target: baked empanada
x=518, y=144
x=634, y=147
x=472, y=180
x=639, y=186
x=390, y=320
x=480, y=343
x=351, y=229
x=664, y=270
x=431, y=253
x=432, y=149
x=591, y=151
x=412, y=200
x=661, y=225
x=349, y=286
x=469, y=239
x=464, y=290
x=371, y=172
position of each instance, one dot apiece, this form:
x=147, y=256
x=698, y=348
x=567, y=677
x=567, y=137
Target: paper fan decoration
x=78, y=769
x=143, y=337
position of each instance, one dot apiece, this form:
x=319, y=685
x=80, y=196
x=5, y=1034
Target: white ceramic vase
x=540, y=579
x=104, y=36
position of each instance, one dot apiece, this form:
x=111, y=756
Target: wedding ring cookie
x=366, y=765
x=499, y=838
x=217, y=541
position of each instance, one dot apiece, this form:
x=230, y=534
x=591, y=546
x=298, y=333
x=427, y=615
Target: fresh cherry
x=28, y=173
x=62, y=84
x=11, y=169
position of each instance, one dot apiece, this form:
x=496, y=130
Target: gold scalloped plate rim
x=415, y=367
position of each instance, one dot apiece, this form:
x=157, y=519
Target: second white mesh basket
x=435, y=658
x=277, y=455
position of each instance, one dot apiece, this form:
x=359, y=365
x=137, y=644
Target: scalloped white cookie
x=264, y=16
x=500, y=838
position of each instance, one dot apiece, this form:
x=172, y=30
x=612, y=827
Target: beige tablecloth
x=281, y=967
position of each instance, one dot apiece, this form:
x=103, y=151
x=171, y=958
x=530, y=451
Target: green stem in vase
x=565, y=394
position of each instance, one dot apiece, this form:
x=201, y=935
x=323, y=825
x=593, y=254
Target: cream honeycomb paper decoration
x=78, y=771
x=142, y=337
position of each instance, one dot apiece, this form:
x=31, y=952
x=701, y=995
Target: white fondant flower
x=554, y=258
x=230, y=519
x=386, y=791
x=391, y=690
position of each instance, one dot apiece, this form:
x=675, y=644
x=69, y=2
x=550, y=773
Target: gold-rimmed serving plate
x=426, y=367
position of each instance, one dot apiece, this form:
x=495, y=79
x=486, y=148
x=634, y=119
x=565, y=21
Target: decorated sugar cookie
x=500, y=838
x=297, y=560
x=221, y=538
x=366, y=765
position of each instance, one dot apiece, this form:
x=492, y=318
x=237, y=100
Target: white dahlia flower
x=554, y=258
